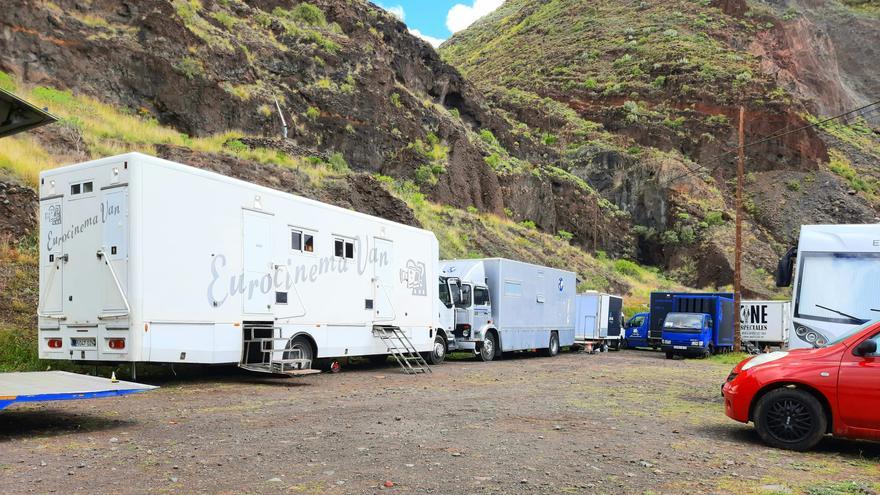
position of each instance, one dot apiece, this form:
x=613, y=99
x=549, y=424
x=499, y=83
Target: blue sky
x=436, y=20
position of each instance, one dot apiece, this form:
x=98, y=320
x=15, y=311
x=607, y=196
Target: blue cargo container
x=698, y=325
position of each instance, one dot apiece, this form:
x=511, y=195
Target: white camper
x=764, y=324
x=147, y=260
x=835, y=270
x=498, y=305
x=598, y=320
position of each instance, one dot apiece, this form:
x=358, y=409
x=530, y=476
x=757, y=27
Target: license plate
x=84, y=342
x=680, y=347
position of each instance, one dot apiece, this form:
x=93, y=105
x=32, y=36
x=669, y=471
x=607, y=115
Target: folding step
x=261, y=354
x=403, y=350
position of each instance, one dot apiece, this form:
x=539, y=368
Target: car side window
x=876, y=339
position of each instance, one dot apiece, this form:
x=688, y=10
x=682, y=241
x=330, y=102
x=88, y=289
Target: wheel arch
x=497, y=334
x=826, y=404
x=308, y=337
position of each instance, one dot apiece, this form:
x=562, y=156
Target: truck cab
x=636, y=331
x=465, y=313
x=687, y=334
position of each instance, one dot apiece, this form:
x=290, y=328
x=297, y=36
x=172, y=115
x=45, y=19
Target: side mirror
x=866, y=348
x=785, y=268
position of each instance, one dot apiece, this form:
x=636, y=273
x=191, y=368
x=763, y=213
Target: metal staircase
x=261, y=355
x=399, y=346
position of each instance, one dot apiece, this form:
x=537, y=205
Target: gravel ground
x=627, y=422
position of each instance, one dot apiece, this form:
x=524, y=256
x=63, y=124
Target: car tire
x=790, y=418
x=552, y=348
x=438, y=352
x=489, y=348
x=669, y=355
x=623, y=344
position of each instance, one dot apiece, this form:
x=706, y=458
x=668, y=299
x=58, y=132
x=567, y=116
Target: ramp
x=61, y=385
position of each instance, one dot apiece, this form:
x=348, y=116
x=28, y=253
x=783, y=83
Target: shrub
x=308, y=14
x=714, y=218
x=628, y=268
x=565, y=235
x=549, y=139
x=395, y=100
x=793, y=185
x=337, y=162
x=7, y=82
x=236, y=146
x=425, y=176
x=528, y=224
x=313, y=113
x=488, y=138
x=591, y=83
x=472, y=210
x=454, y=113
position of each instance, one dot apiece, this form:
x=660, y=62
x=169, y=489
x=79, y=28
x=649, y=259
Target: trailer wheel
x=553, y=346
x=791, y=419
x=487, y=350
x=300, y=342
x=438, y=352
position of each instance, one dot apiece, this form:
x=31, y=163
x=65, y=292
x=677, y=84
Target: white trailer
x=500, y=305
x=598, y=320
x=764, y=324
x=147, y=260
x=836, y=275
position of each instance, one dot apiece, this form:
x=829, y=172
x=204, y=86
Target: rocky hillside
x=377, y=123
x=663, y=81
x=590, y=135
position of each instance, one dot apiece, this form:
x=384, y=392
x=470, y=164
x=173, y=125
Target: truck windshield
x=838, y=287
x=683, y=322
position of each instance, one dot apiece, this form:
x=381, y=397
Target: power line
x=779, y=134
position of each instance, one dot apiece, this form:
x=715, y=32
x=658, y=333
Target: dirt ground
x=628, y=422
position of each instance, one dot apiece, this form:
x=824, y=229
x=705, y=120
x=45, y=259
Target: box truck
x=144, y=260
x=598, y=320
x=497, y=305
x=662, y=303
x=834, y=269
x=764, y=324
x=698, y=325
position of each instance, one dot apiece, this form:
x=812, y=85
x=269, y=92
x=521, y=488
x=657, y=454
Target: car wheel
x=623, y=344
x=487, y=350
x=438, y=352
x=789, y=418
x=552, y=347
x=669, y=355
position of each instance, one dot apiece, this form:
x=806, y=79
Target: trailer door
x=615, y=323
x=383, y=279
x=51, y=266
x=114, y=215
x=257, y=264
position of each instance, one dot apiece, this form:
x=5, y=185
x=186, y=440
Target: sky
x=435, y=20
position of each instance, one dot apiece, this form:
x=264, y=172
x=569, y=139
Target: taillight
x=116, y=344
x=54, y=343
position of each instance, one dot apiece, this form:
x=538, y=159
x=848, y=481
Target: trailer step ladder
x=273, y=360
x=403, y=350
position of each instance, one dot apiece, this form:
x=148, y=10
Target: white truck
x=598, y=320
x=143, y=260
x=764, y=324
x=496, y=305
x=835, y=270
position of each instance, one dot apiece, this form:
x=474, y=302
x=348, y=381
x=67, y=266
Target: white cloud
x=461, y=16
x=435, y=42
x=395, y=10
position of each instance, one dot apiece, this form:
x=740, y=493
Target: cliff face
x=664, y=82
x=348, y=77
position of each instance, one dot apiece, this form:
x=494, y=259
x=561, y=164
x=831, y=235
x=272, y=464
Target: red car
x=795, y=398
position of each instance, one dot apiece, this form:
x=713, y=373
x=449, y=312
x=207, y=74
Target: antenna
x=283, y=122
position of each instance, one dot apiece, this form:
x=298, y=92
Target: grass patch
x=731, y=358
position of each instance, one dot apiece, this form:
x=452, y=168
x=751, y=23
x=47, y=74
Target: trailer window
x=308, y=243
x=512, y=288
x=481, y=296
x=82, y=188
x=75, y=189
x=343, y=248
x=296, y=238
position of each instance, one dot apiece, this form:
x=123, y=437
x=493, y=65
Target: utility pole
x=737, y=263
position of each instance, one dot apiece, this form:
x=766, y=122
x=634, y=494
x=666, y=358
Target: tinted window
x=349, y=250
x=308, y=243
x=444, y=293
x=338, y=248
x=87, y=187
x=481, y=296
x=75, y=189
x=296, y=240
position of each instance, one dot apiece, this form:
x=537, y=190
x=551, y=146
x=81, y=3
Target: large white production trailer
x=143, y=260
x=836, y=275
x=498, y=305
x=764, y=324
x=598, y=320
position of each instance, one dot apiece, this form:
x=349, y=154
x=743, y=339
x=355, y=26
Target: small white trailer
x=598, y=320
x=498, y=305
x=764, y=324
x=144, y=260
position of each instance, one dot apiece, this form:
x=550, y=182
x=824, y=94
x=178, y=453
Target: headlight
x=764, y=359
x=732, y=376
